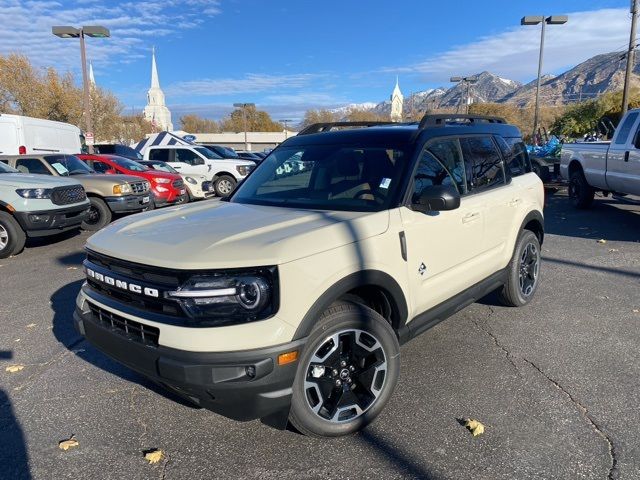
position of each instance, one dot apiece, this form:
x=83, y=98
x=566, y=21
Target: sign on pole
x=88, y=138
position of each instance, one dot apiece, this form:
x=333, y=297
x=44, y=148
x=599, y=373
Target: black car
x=117, y=149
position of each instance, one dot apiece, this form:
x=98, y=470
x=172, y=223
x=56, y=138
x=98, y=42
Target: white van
x=25, y=135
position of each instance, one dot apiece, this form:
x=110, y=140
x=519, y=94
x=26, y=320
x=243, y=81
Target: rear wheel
x=523, y=271
x=347, y=372
x=542, y=171
x=580, y=192
x=224, y=185
x=99, y=215
x=12, y=237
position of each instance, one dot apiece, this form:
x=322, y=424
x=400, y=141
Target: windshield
x=207, y=153
x=161, y=166
x=128, y=164
x=4, y=168
x=67, y=165
x=325, y=177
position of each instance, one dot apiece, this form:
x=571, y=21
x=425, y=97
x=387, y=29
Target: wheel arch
x=361, y=287
x=220, y=174
x=575, y=166
x=534, y=222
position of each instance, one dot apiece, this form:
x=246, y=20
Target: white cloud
x=27, y=27
x=514, y=53
x=250, y=83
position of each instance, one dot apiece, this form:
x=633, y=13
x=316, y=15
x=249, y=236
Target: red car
x=167, y=188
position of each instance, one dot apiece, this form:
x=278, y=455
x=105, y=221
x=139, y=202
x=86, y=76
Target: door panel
x=623, y=158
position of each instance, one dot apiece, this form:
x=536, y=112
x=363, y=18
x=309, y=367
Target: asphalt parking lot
x=556, y=383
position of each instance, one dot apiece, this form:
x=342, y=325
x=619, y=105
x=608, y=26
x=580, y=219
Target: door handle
x=470, y=217
x=626, y=156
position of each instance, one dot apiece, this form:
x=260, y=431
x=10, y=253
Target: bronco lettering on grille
x=123, y=285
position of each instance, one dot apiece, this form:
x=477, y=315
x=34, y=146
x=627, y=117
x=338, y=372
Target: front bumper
x=217, y=381
x=128, y=203
x=50, y=222
x=173, y=199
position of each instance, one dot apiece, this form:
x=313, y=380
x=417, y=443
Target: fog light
x=288, y=357
x=250, y=371
x=39, y=218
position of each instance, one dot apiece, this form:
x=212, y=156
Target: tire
x=371, y=354
x=12, y=237
x=542, y=171
x=224, y=185
x=580, y=192
x=526, y=260
x=99, y=215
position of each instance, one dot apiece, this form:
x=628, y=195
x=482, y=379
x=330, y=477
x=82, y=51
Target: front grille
x=178, y=184
x=68, y=195
x=130, y=329
x=139, y=187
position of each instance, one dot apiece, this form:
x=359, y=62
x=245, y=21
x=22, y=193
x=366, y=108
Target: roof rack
x=327, y=126
x=441, y=119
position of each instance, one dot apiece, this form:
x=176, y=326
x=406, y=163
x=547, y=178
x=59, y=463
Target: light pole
x=285, y=121
x=94, y=31
x=466, y=81
x=630, y=56
x=244, y=107
x=544, y=20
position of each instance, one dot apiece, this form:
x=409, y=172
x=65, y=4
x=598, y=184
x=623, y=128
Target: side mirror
x=437, y=198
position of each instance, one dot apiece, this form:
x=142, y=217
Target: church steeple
x=396, y=103
x=156, y=111
x=155, y=83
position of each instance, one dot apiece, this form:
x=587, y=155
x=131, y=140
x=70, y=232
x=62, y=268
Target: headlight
x=120, y=189
x=40, y=193
x=224, y=299
x=161, y=180
x=191, y=180
x=244, y=170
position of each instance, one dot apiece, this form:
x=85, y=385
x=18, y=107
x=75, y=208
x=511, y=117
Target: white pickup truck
x=610, y=167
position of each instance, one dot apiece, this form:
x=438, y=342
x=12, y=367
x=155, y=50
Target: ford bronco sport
x=289, y=299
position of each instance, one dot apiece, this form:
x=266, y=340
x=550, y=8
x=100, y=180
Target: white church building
x=156, y=111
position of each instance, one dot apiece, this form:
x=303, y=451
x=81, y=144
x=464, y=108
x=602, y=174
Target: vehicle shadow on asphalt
x=606, y=219
x=14, y=461
x=43, y=242
x=63, y=303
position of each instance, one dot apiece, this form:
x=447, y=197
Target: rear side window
x=625, y=128
x=441, y=163
x=160, y=154
x=32, y=165
x=104, y=149
x=515, y=156
x=482, y=155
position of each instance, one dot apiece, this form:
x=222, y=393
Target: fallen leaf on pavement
x=14, y=368
x=72, y=268
x=474, y=426
x=612, y=250
x=31, y=325
x=67, y=444
x=602, y=240
x=154, y=456
x=635, y=310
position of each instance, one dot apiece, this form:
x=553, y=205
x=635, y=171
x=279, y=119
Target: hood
x=158, y=174
x=28, y=180
x=100, y=179
x=225, y=235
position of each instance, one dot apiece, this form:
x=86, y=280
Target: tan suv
x=108, y=194
x=289, y=300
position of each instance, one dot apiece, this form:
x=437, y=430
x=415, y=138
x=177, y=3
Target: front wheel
x=12, y=237
x=99, y=215
x=347, y=372
x=224, y=185
x=523, y=272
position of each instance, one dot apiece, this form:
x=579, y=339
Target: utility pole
x=466, y=82
x=630, y=56
x=244, y=107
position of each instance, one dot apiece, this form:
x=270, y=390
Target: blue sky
x=288, y=56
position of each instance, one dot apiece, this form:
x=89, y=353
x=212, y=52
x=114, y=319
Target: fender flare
x=374, y=278
x=537, y=216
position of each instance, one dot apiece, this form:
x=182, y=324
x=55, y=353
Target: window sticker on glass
x=61, y=169
x=385, y=182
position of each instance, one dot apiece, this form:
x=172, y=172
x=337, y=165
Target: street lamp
x=94, y=31
x=285, y=121
x=544, y=20
x=244, y=107
x=465, y=81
